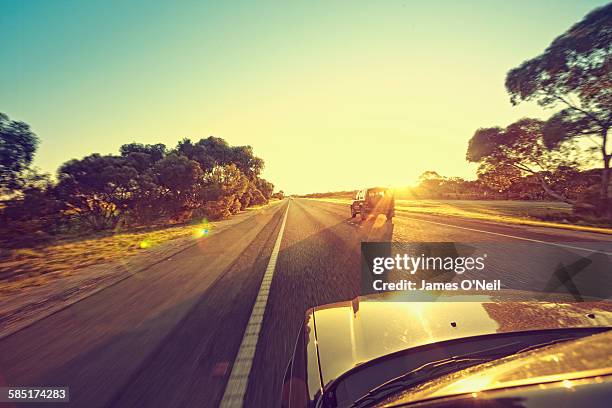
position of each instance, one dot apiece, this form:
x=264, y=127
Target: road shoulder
x=31, y=304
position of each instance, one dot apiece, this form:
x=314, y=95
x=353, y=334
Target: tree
x=180, y=180
x=500, y=178
x=429, y=183
x=145, y=183
x=209, y=152
x=225, y=187
x=154, y=153
x=265, y=187
x=246, y=161
x=258, y=198
x=575, y=73
x=31, y=218
x=99, y=188
x=17, y=147
x=430, y=175
x=505, y=155
x=215, y=151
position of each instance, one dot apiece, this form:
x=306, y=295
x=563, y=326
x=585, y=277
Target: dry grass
x=534, y=210
x=536, y=213
x=64, y=257
x=29, y=267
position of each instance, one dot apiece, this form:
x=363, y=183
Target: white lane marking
x=513, y=236
x=239, y=377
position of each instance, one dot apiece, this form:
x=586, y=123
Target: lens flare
x=202, y=230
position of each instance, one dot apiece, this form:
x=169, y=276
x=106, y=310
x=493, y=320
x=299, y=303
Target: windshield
x=377, y=192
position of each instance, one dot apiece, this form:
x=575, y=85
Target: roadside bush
x=31, y=219
x=235, y=206
x=219, y=209
x=143, y=185
x=258, y=198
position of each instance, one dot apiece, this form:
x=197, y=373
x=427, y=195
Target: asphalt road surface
x=169, y=336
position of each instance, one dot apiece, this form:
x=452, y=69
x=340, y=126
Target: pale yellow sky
x=332, y=95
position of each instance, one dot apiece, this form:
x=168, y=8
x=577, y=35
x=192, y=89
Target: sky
x=333, y=95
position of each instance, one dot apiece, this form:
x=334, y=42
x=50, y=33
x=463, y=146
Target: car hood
x=570, y=361
x=354, y=332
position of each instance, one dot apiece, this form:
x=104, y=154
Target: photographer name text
x=408, y=285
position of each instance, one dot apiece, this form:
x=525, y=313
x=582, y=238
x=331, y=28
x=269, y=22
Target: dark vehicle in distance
x=376, y=200
x=371, y=352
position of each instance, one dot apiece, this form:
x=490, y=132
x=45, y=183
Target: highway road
x=169, y=336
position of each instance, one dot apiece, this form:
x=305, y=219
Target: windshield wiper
x=438, y=368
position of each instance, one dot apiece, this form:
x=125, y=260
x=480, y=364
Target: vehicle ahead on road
x=376, y=200
x=371, y=352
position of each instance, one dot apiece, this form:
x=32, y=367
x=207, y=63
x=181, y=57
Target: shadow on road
x=181, y=354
